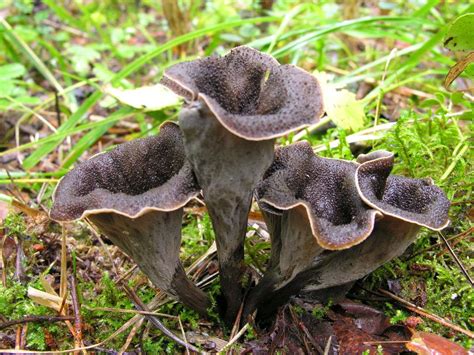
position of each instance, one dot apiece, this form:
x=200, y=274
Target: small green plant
x=398, y=317
x=320, y=311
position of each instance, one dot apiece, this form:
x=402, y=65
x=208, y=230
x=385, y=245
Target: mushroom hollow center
x=328, y=190
x=407, y=194
x=132, y=168
x=334, y=205
x=241, y=87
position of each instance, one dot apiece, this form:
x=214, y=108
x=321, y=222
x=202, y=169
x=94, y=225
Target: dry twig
x=32, y=319
x=414, y=308
x=77, y=314
x=235, y=338
x=154, y=320
x=457, y=260
x=461, y=235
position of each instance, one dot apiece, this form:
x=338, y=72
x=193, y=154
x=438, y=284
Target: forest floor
x=387, y=62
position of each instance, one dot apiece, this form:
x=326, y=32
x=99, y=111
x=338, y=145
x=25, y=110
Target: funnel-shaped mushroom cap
x=136, y=177
x=250, y=94
x=413, y=200
x=134, y=194
x=325, y=188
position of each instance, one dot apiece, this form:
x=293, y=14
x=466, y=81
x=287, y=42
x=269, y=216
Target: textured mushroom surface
x=148, y=173
x=337, y=193
x=236, y=106
x=135, y=195
x=413, y=200
x=249, y=92
x=325, y=188
x=310, y=205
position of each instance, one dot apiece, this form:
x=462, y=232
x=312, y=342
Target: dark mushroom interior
x=414, y=200
x=326, y=187
x=148, y=173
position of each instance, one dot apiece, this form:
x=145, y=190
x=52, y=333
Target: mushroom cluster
x=331, y=221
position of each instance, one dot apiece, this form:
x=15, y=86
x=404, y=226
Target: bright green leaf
x=147, y=98
x=6, y=88
x=341, y=105
x=11, y=71
x=460, y=36
x=82, y=57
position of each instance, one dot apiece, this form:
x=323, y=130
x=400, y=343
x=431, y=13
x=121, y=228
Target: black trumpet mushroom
x=333, y=222
x=135, y=195
x=236, y=106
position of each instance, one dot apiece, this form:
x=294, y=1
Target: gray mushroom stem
x=293, y=251
x=153, y=242
x=334, y=272
x=227, y=169
x=389, y=239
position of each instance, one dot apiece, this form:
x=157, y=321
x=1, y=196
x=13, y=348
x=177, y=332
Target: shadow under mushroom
x=135, y=195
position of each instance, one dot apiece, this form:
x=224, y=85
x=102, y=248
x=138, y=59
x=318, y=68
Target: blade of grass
x=45, y=149
x=426, y=8
x=379, y=61
x=36, y=61
x=28, y=181
x=6, y=198
x=62, y=135
x=286, y=20
x=364, y=21
x=412, y=61
x=63, y=14
x=21, y=174
x=91, y=137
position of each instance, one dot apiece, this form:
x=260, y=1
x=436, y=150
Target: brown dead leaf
x=353, y=340
x=430, y=344
x=366, y=318
x=413, y=322
x=30, y=212
x=49, y=339
x=7, y=247
x=457, y=69
x=4, y=209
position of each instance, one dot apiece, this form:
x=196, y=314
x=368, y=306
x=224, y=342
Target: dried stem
x=456, y=259
x=460, y=235
x=77, y=313
x=154, y=320
x=414, y=308
x=32, y=319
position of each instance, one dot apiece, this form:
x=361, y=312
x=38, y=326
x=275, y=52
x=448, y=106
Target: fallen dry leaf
x=457, y=69
x=4, y=209
x=147, y=98
x=341, y=105
x=431, y=344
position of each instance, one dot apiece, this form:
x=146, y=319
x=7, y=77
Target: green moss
x=319, y=311
x=428, y=145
